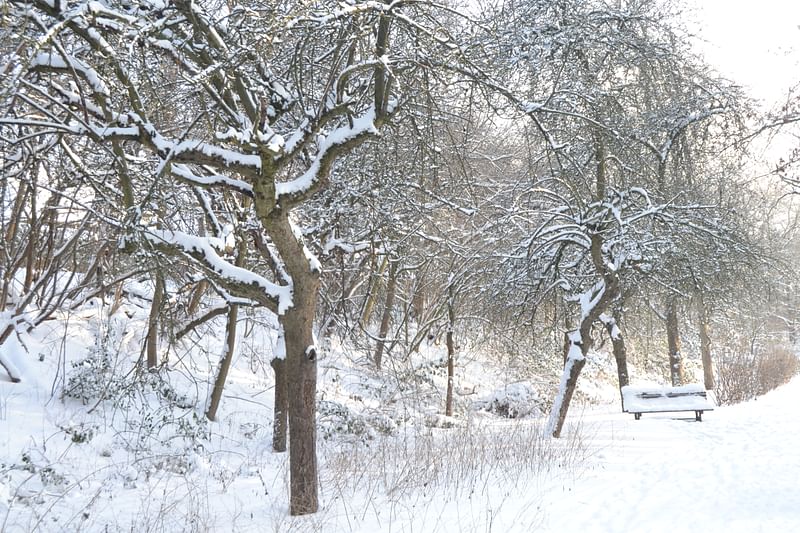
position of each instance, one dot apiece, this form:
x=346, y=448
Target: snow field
x=70, y=466
x=737, y=471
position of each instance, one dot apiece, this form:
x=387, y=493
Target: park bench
x=638, y=400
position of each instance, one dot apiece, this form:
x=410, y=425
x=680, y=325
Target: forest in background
x=530, y=180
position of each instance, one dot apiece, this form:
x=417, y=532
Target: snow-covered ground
x=737, y=471
x=138, y=466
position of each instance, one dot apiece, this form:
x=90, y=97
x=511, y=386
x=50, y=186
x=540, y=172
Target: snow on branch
x=611, y=324
x=46, y=60
x=183, y=172
x=332, y=243
x=202, y=248
x=329, y=147
x=190, y=149
x=345, y=10
x=589, y=299
x=187, y=151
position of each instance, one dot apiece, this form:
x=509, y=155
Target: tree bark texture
x=197, y=296
x=372, y=294
x=674, y=345
x=301, y=365
x=280, y=423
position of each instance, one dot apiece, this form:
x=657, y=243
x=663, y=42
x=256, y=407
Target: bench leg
x=637, y=416
x=698, y=415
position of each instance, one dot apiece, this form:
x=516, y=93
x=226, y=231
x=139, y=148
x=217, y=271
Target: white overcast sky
x=754, y=42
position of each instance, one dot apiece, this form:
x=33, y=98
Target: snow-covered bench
x=638, y=400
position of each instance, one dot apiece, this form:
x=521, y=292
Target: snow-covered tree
x=206, y=102
x=614, y=93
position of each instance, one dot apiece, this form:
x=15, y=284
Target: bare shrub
x=736, y=379
x=775, y=368
x=450, y=461
x=744, y=376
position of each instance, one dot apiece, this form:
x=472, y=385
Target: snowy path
x=737, y=471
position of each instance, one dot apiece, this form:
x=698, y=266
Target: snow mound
x=515, y=400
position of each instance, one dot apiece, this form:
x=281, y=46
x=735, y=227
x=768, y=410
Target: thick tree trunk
x=391, y=289
x=301, y=362
x=152, y=323
x=451, y=351
x=674, y=344
x=225, y=364
x=280, y=423
x=705, y=345
x=301, y=380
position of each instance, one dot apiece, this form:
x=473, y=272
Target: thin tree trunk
x=369, y=304
x=451, y=351
x=578, y=342
x=569, y=381
x=197, y=297
x=280, y=423
x=418, y=298
x=230, y=342
x=152, y=323
x=391, y=289
x=618, y=348
x=16, y=215
x=10, y=236
x=225, y=363
x=705, y=344
x=674, y=344
x=30, y=251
